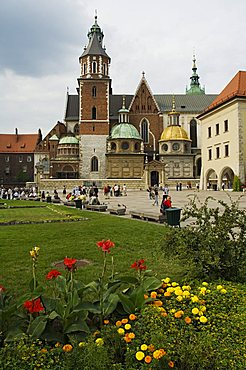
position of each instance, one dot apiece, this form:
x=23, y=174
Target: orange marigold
x=131, y=335
x=158, y=303
x=118, y=323
x=153, y=294
x=132, y=317
x=124, y=321
x=162, y=352
x=151, y=348
x=67, y=348
x=106, y=322
x=146, y=296
x=171, y=364
x=167, y=294
x=148, y=359
x=188, y=320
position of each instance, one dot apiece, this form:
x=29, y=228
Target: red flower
x=139, y=265
x=106, y=245
x=69, y=263
x=35, y=305
x=2, y=289
x=52, y=274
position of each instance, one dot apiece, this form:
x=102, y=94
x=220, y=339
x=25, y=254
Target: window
x=217, y=152
x=104, y=69
x=20, y=158
x=94, y=164
x=226, y=150
x=24, y=169
x=164, y=147
x=94, y=67
x=176, y=146
x=113, y=146
x=145, y=131
x=125, y=145
x=76, y=129
x=137, y=147
x=193, y=133
x=226, y=126
x=7, y=170
x=94, y=91
x=217, y=128
x=94, y=113
x=84, y=67
x=29, y=158
x=7, y=158
x=209, y=132
x=209, y=154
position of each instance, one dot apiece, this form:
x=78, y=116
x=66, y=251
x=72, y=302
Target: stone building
x=92, y=118
x=224, y=136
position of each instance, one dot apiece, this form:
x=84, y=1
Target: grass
x=134, y=240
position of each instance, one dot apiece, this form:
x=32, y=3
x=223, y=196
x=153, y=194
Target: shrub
x=236, y=184
x=213, y=246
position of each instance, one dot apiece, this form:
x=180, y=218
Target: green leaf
x=110, y=304
x=37, y=326
x=127, y=303
x=53, y=315
x=128, y=280
x=151, y=283
x=80, y=326
x=88, y=306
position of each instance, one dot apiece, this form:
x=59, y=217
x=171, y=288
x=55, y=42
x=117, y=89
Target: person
x=197, y=186
x=166, y=203
x=177, y=186
x=64, y=190
x=223, y=186
x=156, y=196
x=124, y=189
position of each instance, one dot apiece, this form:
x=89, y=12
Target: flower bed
x=121, y=322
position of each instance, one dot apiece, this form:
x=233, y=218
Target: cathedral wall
x=92, y=146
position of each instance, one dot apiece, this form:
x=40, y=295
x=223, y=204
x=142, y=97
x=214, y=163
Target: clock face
x=165, y=147
x=176, y=146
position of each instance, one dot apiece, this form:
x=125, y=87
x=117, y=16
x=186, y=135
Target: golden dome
x=174, y=133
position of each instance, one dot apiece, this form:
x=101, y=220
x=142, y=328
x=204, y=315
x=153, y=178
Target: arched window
x=94, y=67
x=94, y=113
x=94, y=164
x=104, y=69
x=84, y=67
x=94, y=91
x=145, y=131
x=193, y=133
x=76, y=129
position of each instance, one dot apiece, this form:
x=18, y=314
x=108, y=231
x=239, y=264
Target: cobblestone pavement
x=138, y=200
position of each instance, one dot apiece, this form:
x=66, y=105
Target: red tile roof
x=235, y=88
x=10, y=143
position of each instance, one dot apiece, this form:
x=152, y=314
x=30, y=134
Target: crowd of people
x=19, y=193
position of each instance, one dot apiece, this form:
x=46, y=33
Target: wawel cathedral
x=141, y=139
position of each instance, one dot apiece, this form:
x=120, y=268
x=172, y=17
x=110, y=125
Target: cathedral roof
x=174, y=133
x=124, y=131
x=184, y=103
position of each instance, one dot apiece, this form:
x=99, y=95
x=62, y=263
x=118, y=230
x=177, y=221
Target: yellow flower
x=219, y=287
x=58, y=344
x=118, y=323
x=106, y=322
x=99, y=341
x=131, y=335
x=67, y=348
x=128, y=326
x=186, y=293
x=203, y=319
x=195, y=311
x=178, y=291
x=205, y=283
x=44, y=350
x=144, y=347
x=194, y=299
x=179, y=298
x=121, y=331
x=82, y=344
x=223, y=291
x=170, y=289
x=174, y=283
x=157, y=354
x=32, y=253
x=203, y=309
x=166, y=280
x=140, y=355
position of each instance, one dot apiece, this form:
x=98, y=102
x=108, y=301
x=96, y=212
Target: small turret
x=195, y=88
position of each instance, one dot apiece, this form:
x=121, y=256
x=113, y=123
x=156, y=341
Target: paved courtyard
x=138, y=200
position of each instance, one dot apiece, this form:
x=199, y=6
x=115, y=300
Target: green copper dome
x=124, y=131
x=68, y=140
x=54, y=138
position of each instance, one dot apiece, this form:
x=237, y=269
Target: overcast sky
x=41, y=41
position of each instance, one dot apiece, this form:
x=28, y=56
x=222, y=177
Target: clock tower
x=94, y=90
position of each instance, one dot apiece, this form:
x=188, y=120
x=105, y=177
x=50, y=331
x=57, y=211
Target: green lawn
x=134, y=240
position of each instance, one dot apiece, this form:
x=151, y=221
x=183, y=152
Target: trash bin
x=78, y=203
x=48, y=199
x=173, y=216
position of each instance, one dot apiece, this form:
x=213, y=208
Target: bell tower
x=94, y=90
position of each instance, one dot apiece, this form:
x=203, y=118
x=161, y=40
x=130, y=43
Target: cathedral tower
x=94, y=91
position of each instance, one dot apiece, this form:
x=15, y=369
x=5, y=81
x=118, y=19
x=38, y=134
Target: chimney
x=16, y=133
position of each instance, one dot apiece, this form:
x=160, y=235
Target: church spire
x=195, y=88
